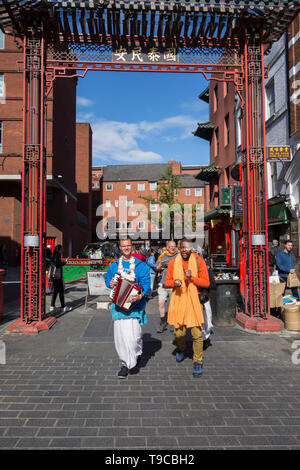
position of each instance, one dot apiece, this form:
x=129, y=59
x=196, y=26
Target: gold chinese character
x=154, y=54
x=120, y=53
x=136, y=54
x=170, y=55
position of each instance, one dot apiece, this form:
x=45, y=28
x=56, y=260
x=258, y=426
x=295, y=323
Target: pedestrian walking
x=127, y=323
x=56, y=276
x=285, y=262
x=151, y=263
x=164, y=293
x=186, y=275
x=273, y=252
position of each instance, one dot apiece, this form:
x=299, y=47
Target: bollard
x=2, y=272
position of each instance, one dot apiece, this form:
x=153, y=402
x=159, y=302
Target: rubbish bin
x=223, y=300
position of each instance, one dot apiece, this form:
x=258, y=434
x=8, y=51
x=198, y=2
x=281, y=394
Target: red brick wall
x=84, y=172
x=294, y=85
x=61, y=140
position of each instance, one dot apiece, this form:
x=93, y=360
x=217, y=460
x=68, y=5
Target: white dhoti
x=128, y=341
x=208, y=326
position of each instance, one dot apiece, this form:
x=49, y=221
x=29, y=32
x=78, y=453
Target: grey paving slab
x=59, y=389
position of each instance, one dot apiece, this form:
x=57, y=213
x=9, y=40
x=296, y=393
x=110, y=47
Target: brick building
x=223, y=224
x=120, y=189
x=65, y=224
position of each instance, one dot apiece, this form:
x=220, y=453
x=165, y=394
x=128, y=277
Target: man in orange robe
x=186, y=274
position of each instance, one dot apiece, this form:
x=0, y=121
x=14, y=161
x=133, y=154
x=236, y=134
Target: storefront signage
x=145, y=54
x=225, y=197
x=279, y=153
x=238, y=201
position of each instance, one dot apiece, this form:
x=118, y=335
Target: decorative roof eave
x=204, y=130
x=204, y=96
x=207, y=172
x=151, y=18
x=216, y=212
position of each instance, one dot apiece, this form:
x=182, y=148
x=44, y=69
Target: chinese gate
x=222, y=40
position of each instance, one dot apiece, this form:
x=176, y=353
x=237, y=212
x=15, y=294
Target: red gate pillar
x=257, y=311
x=33, y=318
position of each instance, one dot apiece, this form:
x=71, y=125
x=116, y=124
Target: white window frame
x=128, y=186
x=153, y=207
x=129, y=224
x=153, y=186
x=270, y=99
x=107, y=187
x=107, y=203
x=141, y=186
x=2, y=40
x=2, y=86
x=129, y=202
x=141, y=225
x=117, y=203
x=198, y=190
x=187, y=192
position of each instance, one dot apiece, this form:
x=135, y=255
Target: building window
x=128, y=186
x=141, y=186
x=1, y=40
x=175, y=192
x=118, y=225
x=1, y=85
x=107, y=203
x=217, y=144
x=99, y=174
x=270, y=96
x=198, y=192
x=142, y=225
x=187, y=192
x=129, y=224
x=153, y=207
x=109, y=187
x=216, y=98
x=129, y=203
x=153, y=186
x=1, y=136
x=227, y=130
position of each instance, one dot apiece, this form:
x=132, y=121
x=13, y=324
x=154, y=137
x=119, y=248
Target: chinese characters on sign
x=278, y=153
x=145, y=54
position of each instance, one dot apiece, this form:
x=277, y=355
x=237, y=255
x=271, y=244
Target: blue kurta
x=142, y=277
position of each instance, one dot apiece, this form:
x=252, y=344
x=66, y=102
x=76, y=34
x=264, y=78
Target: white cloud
x=84, y=102
x=120, y=141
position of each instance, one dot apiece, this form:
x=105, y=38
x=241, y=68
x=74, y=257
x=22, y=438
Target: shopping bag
x=292, y=280
x=208, y=326
x=276, y=293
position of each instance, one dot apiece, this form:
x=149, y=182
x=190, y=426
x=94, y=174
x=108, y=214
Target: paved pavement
x=59, y=390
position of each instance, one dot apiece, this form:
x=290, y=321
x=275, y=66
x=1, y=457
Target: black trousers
x=58, y=288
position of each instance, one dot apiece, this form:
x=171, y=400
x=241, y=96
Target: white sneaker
x=52, y=309
x=67, y=309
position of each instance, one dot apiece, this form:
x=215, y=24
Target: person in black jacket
x=58, y=284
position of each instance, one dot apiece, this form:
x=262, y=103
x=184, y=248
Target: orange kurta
x=185, y=307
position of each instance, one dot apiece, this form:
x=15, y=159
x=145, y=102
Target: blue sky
x=144, y=117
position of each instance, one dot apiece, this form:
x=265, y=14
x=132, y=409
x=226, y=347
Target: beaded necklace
x=125, y=275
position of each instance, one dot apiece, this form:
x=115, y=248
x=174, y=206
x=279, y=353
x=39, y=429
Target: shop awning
x=277, y=214
x=207, y=172
x=215, y=213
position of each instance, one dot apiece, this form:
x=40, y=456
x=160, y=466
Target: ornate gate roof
x=106, y=20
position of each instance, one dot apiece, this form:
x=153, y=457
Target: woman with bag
x=56, y=276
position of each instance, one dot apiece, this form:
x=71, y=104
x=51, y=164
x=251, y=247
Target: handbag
x=54, y=272
x=292, y=280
